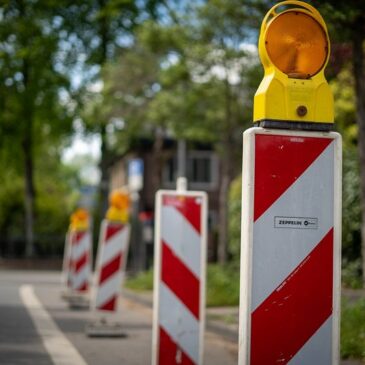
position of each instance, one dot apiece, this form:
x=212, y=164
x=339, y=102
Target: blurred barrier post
x=80, y=259
x=179, y=281
x=110, y=266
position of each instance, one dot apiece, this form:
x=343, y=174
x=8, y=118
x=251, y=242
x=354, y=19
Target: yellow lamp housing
x=118, y=206
x=80, y=220
x=294, y=48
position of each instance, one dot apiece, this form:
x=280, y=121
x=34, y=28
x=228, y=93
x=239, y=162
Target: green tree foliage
x=103, y=27
x=343, y=90
x=202, y=88
x=234, y=248
x=32, y=112
x=353, y=330
x=347, y=24
x=54, y=203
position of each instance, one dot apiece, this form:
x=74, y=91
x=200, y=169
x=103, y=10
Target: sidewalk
x=223, y=321
x=31, y=264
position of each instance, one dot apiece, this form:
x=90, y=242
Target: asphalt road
x=37, y=327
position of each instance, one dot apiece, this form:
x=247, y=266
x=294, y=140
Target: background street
x=20, y=343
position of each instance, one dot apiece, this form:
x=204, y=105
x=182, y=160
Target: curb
x=214, y=326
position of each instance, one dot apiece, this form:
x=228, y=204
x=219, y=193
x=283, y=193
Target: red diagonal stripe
x=188, y=206
x=279, y=162
x=286, y=320
x=111, y=230
x=177, y=276
x=79, y=236
x=83, y=287
x=81, y=262
x=109, y=305
x=169, y=353
x=110, y=268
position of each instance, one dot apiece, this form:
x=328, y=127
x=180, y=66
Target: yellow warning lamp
x=119, y=206
x=294, y=49
x=80, y=220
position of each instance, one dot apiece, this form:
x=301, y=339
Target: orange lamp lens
x=296, y=44
x=81, y=215
x=119, y=200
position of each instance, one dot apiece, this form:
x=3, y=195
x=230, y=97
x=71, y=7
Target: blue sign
x=135, y=174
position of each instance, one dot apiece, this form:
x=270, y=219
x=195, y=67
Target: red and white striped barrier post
x=291, y=199
x=81, y=258
x=179, y=282
x=110, y=266
x=290, y=248
x=76, y=268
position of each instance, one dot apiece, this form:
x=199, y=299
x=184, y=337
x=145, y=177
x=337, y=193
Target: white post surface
x=290, y=248
x=110, y=265
x=81, y=260
x=179, y=282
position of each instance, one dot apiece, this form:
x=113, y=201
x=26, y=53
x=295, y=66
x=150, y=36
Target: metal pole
x=181, y=158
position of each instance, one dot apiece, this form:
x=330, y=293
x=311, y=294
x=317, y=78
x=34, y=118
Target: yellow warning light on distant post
x=79, y=220
x=294, y=49
x=118, y=206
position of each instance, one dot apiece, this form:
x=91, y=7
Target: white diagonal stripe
x=318, y=349
x=82, y=276
x=278, y=251
x=108, y=289
x=114, y=246
x=183, y=239
x=179, y=323
x=60, y=349
x=83, y=245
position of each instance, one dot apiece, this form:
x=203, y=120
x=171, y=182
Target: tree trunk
x=105, y=153
x=29, y=192
x=226, y=177
x=104, y=172
x=27, y=146
x=359, y=75
x=158, y=159
x=223, y=210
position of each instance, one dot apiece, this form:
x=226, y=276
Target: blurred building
x=158, y=169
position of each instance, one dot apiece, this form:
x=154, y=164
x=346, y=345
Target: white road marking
x=60, y=349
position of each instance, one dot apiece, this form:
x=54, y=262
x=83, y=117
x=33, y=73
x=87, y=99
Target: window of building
x=201, y=170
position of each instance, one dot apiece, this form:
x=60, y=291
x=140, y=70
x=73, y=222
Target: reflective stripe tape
x=292, y=313
x=80, y=260
x=169, y=351
x=317, y=350
x=180, y=243
x=180, y=324
x=290, y=262
x=115, y=244
x=279, y=251
x=80, y=280
x=112, y=256
x=181, y=236
x=108, y=289
x=180, y=280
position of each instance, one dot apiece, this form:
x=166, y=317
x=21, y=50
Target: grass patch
x=223, y=285
x=353, y=330
x=226, y=318
x=141, y=282
x=351, y=274
x=223, y=290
